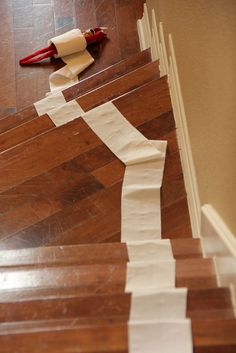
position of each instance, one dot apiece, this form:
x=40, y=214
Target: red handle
x=91, y=36
x=32, y=58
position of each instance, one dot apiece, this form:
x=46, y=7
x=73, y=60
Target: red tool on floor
x=91, y=36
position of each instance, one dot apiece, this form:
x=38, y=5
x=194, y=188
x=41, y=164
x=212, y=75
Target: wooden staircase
x=63, y=265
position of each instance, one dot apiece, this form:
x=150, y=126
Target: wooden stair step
x=214, y=336
x=88, y=254
x=110, y=73
x=119, y=86
x=201, y=303
x=90, y=216
x=138, y=107
x=99, y=162
x=58, y=196
x=211, y=303
x=85, y=85
x=100, y=338
x=108, y=91
x=209, y=336
x=16, y=327
x=101, y=278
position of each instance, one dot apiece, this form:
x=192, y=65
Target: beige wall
x=204, y=36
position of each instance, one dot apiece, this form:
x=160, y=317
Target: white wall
x=204, y=36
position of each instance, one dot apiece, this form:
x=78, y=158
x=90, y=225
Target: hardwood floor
x=27, y=25
x=59, y=196
x=63, y=268
x=87, y=101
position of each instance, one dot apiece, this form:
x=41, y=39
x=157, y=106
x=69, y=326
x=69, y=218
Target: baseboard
x=217, y=239
x=153, y=37
x=144, y=31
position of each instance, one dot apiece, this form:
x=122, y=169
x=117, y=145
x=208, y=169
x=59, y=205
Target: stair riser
x=89, y=254
x=91, y=339
x=106, y=278
x=200, y=304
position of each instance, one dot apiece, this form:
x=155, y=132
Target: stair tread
x=81, y=222
x=208, y=336
x=99, y=278
x=88, y=253
x=202, y=303
x=107, y=91
x=57, y=137
x=119, y=86
x=215, y=334
x=120, y=68
x=108, y=74
x=58, y=196
x=85, y=339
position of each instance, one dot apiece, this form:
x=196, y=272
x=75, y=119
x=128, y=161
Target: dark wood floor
x=52, y=195
x=39, y=204
x=26, y=25
x=60, y=192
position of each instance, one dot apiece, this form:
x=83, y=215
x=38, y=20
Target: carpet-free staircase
x=63, y=265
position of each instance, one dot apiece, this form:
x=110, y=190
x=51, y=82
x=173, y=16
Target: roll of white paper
x=69, y=43
x=68, y=74
x=71, y=48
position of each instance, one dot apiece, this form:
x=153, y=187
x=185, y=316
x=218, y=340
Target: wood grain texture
x=89, y=100
x=216, y=336
x=214, y=302
x=24, y=132
x=209, y=336
x=24, y=21
x=119, y=86
x=86, y=85
x=96, y=338
x=100, y=278
x=106, y=75
x=88, y=254
x=50, y=209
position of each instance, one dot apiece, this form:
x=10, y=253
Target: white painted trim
x=233, y=296
x=185, y=147
x=164, y=51
x=141, y=35
x=170, y=69
x=154, y=50
x=155, y=35
x=147, y=26
x=217, y=239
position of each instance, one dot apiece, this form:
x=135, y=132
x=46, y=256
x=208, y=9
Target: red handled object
x=92, y=35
